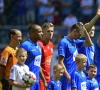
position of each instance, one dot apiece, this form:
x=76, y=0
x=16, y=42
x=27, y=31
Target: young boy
x=92, y=83
x=78, y=76
x=18, y=70
x=58, y=71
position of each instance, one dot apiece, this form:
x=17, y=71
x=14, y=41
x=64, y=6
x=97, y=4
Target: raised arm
x=88, y=41
x=93, y=21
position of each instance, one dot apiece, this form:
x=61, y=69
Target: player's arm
x=43, y=78
x=93, y=21
x=60, y=61
x=3, y=62
x=88, y=41
x=2, y=71
x=14, y=83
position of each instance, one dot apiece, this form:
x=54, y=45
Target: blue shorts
x=36, y=86
x=65, y=84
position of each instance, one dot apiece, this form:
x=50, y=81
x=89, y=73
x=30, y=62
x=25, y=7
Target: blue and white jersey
x=92, y=84
x=54, y=85
x=68, y=49
x=89, y=52
x=78, y=80
x=97, y=58
x=34, y=56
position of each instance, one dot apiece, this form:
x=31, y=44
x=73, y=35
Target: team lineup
x=78, y=66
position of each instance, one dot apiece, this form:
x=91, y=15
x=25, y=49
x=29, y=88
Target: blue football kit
x=54, y=85
x=89, y=52
x=97, y=62
x=68, y=49
x=78, y=80
x=33, y=60
x=92, y=84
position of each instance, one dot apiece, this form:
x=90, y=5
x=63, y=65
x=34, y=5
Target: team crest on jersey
x=3, y=60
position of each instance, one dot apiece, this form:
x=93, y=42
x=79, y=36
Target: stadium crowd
x=23, y=12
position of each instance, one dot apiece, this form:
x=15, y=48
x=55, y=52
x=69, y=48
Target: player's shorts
x=6, y=85
x=65, y=84
x=36, y=86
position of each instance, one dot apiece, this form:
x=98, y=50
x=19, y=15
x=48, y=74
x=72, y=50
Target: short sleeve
x=13, y=73
x=61, y=48
x=25, y=46
x=4, y=58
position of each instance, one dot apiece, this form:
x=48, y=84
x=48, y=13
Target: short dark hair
x=13, y=32
x=32, y=27
x=92, y=66
x=75, y=26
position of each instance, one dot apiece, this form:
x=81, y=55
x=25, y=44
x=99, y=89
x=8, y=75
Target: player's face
x=38, y=33
x=48, y=32
x=17, y=38
x=59, y=73
x=22, y=58
x=92, y=72
x=82, y=63
x=91, y=33
x=77, y=34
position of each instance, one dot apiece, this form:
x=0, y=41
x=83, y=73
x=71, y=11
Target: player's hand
x=26, y=86
x=98, y=41
x=98, y=11
x=81, y=26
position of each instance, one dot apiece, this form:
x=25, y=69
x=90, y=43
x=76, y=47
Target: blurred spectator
x=21, y=12
x=66, y=7
x=57, y=18
x=98, y=2
x=45, y=13
x=68, y=22
x=1, y=12
x=87, y=10
x=57, y=14
x=57, y=4
x=30, y=11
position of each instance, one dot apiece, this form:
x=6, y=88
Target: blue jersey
x=92, y=84
x=89, y=52
x=78, y=80
x=68, y=49
x=97, y=58
x=53, y=85
x=34, y=56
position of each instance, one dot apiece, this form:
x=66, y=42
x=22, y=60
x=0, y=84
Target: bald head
x=33, y=28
